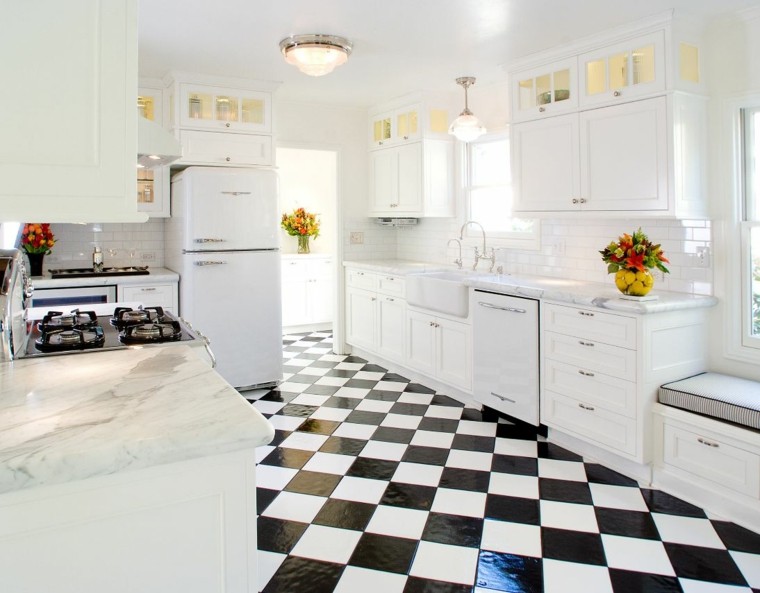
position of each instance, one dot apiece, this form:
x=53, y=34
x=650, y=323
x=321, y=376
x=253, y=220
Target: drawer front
x=156, y=295
x=294, y=269
x=361, y=279
x=615, y=330
x=599, y=390
x=590, y=423
x=220, y=148
x=705, y=456
x=320, y=267
x=590, y=355
x=391, y=285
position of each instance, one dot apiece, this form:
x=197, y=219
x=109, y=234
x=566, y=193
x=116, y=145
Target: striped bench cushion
x=719, y=396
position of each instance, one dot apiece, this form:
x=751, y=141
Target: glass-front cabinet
x=623, y=71
x=407, y=124
x=224, y=109
x=380, y=128
x=152, y=184
x=544, y=91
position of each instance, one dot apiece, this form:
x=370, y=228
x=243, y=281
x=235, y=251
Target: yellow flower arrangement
x=300, y=223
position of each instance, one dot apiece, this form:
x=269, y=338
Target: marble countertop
x=115, y=411
x=156, y=276
x=560, y=290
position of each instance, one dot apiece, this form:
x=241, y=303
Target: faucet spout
x=482, y=230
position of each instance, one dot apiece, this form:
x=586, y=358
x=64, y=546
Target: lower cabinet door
x=320, y=300
x=360, y=318
x=391, y=321
x=453, y=363
x=421, y=342
x=294, y=303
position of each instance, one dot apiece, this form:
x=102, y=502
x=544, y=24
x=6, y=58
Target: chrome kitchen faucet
x=478, y=254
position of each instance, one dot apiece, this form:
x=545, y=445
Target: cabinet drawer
x=616, y=330
x=220, y=148
x=294, y=269
x=391, y=285
x=320, y=267
x=590, y=423
x=361, y=279
x=599, y=390
x=156, y=295
x=704, y=455
x=591, y=356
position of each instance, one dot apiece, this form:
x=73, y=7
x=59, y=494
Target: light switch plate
x=356, y=238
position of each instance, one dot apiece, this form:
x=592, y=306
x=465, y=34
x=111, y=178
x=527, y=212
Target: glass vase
x=634, y=282
x=303, y=244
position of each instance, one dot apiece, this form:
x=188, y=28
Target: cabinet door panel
x=409, y=178
x=454, y=353
x=420, y=341
x=624, y=156
x=360, y=318
x=383, y=179
x=391, y=323
x=320, y=301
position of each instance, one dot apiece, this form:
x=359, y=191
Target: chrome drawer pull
x=210, y=263
x=502, y=398
x=708, y=443
x=210, y=240
x=148, y=289
x=582, y=343
x=586, y=374
x=584, y=407
x=585, y=313
x=236, y=193
x=510, y=309
x=390, y=299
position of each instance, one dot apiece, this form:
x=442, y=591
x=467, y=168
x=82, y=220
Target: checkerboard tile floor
x=375, y=484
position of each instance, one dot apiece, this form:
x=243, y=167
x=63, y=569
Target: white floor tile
x=687, y=530
x=442, y=562
x=368, y=375
x=353, y=392
x=431, y=438
x=390, y=386
x=304, y=440
x=352, y=430
x=562, y=470
x=336, y=414
x=374, y=405
x=482, y=429
x=516, y=447
x=418, y=473
x=267, y=407
x=317, y=350
x=289, y=387
x=690, y=586
x=274, y=477
x=360, y=490
x=401, y=421
x=293, y=506
x=333, y=358
x=262, y=452
x=364, y=580
x=398, y=522
x=410, y=397
x=511, y=538
x=286, y=423
x=459, y=502
x=572, y=577
x=309, y=399
x=476, y=460
x=618, y=497
x=332, y=381
x=268, y=562
x=328, y=544
x=749, y=564
x=349, y=366
x=567, y=515
x=514, y=485
x=447, y=412
x=314, y=371
x=383, y=450
x=296, y=362
x=641, y=555
x=329, y=463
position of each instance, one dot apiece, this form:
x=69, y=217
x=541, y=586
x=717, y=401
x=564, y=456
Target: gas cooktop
x=91, y=273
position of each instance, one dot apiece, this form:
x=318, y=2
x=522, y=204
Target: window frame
x=748, y=187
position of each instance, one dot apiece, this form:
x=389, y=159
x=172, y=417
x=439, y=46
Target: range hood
x=155, y=146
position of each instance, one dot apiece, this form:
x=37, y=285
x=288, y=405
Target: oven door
x=73, y=297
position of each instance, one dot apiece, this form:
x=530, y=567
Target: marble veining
x=65, y=418
x=394, y=266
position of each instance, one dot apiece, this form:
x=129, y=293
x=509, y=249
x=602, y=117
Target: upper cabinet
x=221, y=121
x=69, y=142
x=393, y=124
x=152, y=184
x=546, y=90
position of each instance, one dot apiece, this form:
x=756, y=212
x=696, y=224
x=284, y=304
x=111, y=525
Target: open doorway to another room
x=308, y=180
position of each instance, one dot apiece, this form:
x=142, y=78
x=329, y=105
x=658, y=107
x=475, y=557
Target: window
x=750, y=227
x=488, y=190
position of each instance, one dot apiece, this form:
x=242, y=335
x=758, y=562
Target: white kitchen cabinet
x=391, y=317
x=69, y=135
x=394, y=123
x=219, y=148
x=205, y=107
x=545, y=90
x=153, y=185
x=413, y=179
x=440, y=347
x=307, y=290
x=150, y=294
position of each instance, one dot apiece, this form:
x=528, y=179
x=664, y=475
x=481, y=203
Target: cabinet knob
x=617, y=94
x=374, y=298
x=582, y=200
x=227, y=125
x=228, y=159
x=541, y=109
x=380, y=143
x=389, y=299
x=575, y=200
x=406, y=137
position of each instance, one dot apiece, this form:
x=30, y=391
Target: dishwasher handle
x=509, y=309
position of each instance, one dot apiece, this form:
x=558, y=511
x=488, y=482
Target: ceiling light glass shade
x=466, y=127
x=316, y=55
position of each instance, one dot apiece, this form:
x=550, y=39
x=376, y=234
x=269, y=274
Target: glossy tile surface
x=374, y=483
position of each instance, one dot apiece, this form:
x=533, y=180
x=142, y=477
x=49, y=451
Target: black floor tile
x=552, y=451
x=393, y=435
x=278, y=535
x=572, y=546
x=438, y=425
x=417, y=388
x=427, y=455
x=419, y=585
x=324, y=364
x=465, y=479
x=513, y=464
x=472, y=414
x=410, y=496
x=297, y=410
x=661, y=502
x=264, y=496
x=373, y=368
x=522, y=432
x=738, y=538
x=286, y=457
x=313, y=426
x=445, y=400
x=626, y=523
x=342, y=373
x=304, y=574
x=395, y=378
x=383, y=552
x=279, y=436
x=316, y=483
x=362, y=417
x=511, y=508
x=345, y=514
x=626, y=581
x=454, y=530
x=468, y=442
x=360, y=383
x=509, y=572
x=321, y=389
x=343, y=446
x=309, y=379
x=344, y=403
x=704, y=564
x=374, y=469
x=279, y=396
x=355, y=359
x=383, y=395
x=564, y=491
x=409, y=409
x=598, y=474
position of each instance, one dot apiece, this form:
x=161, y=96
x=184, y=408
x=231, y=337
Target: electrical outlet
x=356, y=238
x=147, y=256
x=703, y=256
x=559, y=247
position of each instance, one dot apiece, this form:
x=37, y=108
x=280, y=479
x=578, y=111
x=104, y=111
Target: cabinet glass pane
x=619, y=71
x=145, y=187
x=381, y=129
x=412, y=122
x=146, y=107
x=543, y=89
x=689, y=67
x=525, y=88
x=643, y=64
x=561, y=85
x=439, y=121
x=402, y=124
x=596, y=77
x=199, y=106
x=226, y=108
x=253, y=111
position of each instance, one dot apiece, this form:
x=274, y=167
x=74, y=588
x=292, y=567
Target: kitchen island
x=126, y=471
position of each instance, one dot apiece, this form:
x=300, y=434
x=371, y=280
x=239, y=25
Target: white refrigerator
x=223, y=241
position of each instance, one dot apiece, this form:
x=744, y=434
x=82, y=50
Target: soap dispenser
x=97, y=259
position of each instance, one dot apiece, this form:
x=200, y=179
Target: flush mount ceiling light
x=466, y=127
x=316, y=55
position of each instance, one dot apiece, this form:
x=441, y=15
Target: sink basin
x=442, y=291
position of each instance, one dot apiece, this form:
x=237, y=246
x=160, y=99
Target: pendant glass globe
x=466, y=128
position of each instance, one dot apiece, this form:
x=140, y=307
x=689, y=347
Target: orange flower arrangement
x=634, y=252
x=300, y=223
x=37, y=238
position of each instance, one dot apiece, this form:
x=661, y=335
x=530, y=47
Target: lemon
x=641, y=275
x=620, y=273
x=648, y=281
x=636, y=288
x=630, y=277
x=620, y=283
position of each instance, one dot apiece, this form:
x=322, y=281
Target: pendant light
x=466, y=127
x=316, y=55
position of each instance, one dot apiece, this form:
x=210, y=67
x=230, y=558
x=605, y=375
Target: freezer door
x=234, y=299
x=229, y=209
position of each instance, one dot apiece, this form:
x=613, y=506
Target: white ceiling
x=400, y=46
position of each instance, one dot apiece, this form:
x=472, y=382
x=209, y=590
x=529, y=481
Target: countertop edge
x=155, y=276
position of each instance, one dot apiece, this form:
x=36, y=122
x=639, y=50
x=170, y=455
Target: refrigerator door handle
x=209, y=263
x=209, y=240
x=236, y=193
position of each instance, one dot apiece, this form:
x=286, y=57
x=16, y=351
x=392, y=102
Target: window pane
x=491, y=207
x=489, y=163
x=751, y=172
x=755, y=281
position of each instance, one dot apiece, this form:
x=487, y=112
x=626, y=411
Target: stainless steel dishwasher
x=505, y=337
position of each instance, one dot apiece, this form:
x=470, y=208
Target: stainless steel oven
x=73, y=296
